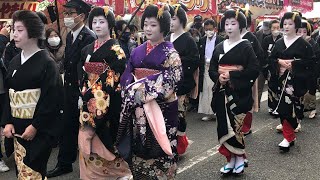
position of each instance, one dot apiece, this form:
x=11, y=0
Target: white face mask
x=210, y=33
x=54, y=41
x=275, y=33
x=69, y=22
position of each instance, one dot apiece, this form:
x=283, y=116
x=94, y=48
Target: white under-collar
x=172, y=39
x=25, y=59
x=227, y=47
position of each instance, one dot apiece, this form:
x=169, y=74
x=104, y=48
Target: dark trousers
x=68, y=142
x=1, y=110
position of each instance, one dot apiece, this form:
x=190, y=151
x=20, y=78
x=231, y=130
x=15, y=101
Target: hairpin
x=160, y=10
x=237, y=13
x=308, y=26
x=106, y=10
x=177, y=8
x=294, y=15
x=247, y=12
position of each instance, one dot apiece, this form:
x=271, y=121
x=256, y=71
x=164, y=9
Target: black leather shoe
x=59, y=170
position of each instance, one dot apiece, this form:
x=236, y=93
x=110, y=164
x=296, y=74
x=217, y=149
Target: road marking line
x=205, y=155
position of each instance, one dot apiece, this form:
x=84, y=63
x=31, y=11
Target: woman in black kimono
x=32, y=103
x=309, y=100
x=292, y=59
x=234, y=69
x=103, y=62
x=188, y=51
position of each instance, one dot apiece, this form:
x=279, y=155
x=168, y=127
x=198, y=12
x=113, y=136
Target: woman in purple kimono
x=149, y=118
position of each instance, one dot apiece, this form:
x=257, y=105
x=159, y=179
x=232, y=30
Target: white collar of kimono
x=25, y=59
x=172, y=39
x=289, y=42
x=76, y=33
x=227, y=47
x=243, y=33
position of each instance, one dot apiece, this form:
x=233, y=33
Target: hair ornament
x=237, y=14
x=308, y=26
x=106, y=10
x=177, y=6
x=160, y=10
x=294, y=15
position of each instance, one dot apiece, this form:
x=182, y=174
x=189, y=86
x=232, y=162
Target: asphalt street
x=202, y=161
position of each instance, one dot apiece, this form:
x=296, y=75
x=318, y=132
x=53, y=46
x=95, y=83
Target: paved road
x=203, y=162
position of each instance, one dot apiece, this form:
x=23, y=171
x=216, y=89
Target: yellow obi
x=23, y=103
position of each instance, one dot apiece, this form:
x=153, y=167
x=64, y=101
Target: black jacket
x=202, y=63
x=73, y=56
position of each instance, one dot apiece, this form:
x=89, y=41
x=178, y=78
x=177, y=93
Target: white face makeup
x=175, y=24
x=100, y=26
x=232, y=27
x=289, y=27
x=302, y=32
x=151, y=29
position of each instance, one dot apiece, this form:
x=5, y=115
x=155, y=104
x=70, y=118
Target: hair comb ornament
x=294, y=15
x=160, y=10
x=309, y=27
x=106, y=10
x=177, y=6
x=237, y=14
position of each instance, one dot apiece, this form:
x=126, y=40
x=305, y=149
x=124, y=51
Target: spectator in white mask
x=56, y=47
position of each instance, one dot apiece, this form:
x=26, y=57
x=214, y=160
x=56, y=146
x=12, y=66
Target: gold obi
x=23, y=103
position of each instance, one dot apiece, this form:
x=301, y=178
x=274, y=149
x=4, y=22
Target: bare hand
x=9, y=131
x=29, y=133
x=4, y=31
x=223, y=79
x=285, y=63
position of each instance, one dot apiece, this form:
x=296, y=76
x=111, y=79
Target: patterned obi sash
x=144, y=72
x=95, y=67
x=23, y=103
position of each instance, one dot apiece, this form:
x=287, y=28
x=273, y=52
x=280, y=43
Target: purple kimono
x=150, y=80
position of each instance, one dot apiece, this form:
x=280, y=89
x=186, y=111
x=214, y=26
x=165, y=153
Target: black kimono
x=189, y=54
x=233, y=100
x=267, y=45
x=35, y=90
x=292, y=83
x=309, y=101
x=100, y=110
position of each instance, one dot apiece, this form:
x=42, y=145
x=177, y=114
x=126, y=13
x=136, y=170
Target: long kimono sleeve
x=240, y=79
x=214, y=64
x=126, y=77
x=49, y=101
x=6, y=117
x=159, y=86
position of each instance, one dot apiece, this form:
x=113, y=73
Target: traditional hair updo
x=179, y=10
x=237, y=14
x=105, y=12
x=247, y=14
x=32, y=22
x=307, y=25
x=294, y=16
x=161, y=13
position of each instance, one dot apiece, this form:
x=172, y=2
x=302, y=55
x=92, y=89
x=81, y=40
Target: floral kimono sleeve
x=159, y=86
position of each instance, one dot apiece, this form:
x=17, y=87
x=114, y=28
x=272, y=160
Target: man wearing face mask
x=125, y=41
x=75, y=13
x=267, y=45
x=207, y=45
